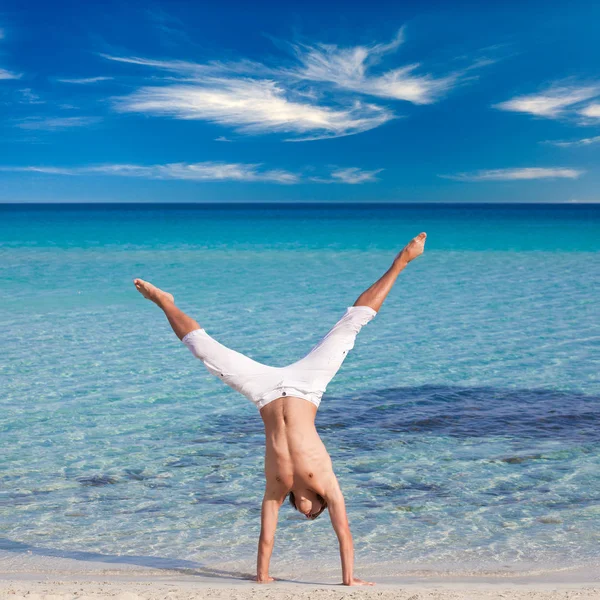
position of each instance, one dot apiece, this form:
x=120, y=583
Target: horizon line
x=299, y=203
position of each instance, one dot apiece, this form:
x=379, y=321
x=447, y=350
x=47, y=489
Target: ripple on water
x=463, y=427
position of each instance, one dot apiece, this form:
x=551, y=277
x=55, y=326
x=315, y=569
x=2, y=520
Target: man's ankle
x=165, y=303
x=399, y=263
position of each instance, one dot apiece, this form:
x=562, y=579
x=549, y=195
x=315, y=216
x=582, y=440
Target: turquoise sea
x=464, y=427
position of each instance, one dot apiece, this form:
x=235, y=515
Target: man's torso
x=295, y=456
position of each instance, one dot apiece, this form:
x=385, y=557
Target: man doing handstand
x=296, y=461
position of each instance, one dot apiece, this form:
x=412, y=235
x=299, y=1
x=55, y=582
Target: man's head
x=308, y=503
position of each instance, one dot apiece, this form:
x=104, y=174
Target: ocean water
x=464, y=427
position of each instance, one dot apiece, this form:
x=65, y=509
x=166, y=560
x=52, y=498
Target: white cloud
x=592, y=110
x=517, y=174
x=348, y=69
x=169, y=65
x=205, y=171
x=84, y=80
x=29, y=97
x=321, y=96
x=45, y=170
x=196, y=70
x=4, y=74
x=222, y=138
x=581, y=142
x=551, y=103
x=56, y=123
x=253, y=106
x=354, y=175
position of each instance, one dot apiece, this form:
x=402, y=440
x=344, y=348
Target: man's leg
x=376, y=294
x=180, y=322
x=235, y=369
x=319, y=366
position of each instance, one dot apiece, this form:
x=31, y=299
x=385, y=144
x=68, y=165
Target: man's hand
x=356, y=581
x=266, y=579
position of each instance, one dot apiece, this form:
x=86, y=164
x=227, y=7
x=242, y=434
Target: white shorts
x=306, y=378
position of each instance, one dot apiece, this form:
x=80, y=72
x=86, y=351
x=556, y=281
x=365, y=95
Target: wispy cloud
x=592, y=111
x=554, y=102
x=29, y=97
x=351, y=69
x=354, y=175
x=253, y=106
x=222, y=138
x=44, y=170
x=574, y=143
x=202, y=171
x=4, y=74
x=85, y=80
x=56, y=123
x=183, y=68
x=351, y=175
x=517, y=174
x=322, y=95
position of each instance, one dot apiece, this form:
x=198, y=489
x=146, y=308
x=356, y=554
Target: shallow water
x=463, y=427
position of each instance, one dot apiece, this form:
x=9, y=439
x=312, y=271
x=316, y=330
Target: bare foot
x=413, y=249
x=264, y=579
x=357, y=581
x=151, y=292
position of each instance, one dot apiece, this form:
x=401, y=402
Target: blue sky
x=185, y=101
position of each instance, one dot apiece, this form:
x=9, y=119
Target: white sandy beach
x=56, y=578
x=55, y=587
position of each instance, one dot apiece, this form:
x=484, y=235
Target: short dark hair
x=319, y=498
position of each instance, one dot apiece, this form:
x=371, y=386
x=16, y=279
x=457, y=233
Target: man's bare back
x=296, y=460
x=295, y=457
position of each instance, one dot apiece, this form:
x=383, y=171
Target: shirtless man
x=296, y=461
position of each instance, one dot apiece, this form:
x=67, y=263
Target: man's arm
x=268, y=524
x=339, y=520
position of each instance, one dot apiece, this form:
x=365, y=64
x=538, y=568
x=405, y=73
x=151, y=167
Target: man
x=296, y=461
